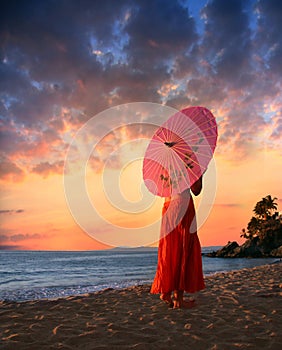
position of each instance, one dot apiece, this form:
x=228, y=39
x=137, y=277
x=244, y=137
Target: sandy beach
x=237, y=310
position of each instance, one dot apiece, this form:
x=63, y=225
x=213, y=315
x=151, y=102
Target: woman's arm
x=196, y=188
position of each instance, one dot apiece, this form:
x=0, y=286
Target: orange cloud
x=45, y=168
x=9, y=171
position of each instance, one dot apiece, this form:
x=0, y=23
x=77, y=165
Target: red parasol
x=180, y=151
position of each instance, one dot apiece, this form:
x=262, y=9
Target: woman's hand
x=196, y=188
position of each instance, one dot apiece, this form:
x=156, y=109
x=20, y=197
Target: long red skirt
x=179, y=255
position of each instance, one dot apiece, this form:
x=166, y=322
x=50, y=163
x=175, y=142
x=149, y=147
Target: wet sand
x=237, y=310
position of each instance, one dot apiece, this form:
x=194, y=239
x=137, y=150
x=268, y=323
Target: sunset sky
x=67, y=65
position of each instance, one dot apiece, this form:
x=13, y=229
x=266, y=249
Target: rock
x=251, y=251
x=228, y=250
x=277, y=253
x=247, y=250
x=236, y=253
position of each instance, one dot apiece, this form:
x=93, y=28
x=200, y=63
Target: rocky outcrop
x=249, y=249
x=227, y=250
x=263, y=234
x=277, y=252
x=266, y=242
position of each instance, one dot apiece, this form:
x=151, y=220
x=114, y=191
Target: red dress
x=179, y=255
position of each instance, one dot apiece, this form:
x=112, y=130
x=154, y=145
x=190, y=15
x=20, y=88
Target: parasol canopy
x=180, y=151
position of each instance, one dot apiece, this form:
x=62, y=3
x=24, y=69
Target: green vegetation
x=263, y=234
x=265, y=227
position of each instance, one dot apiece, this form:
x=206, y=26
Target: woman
x=179, y=266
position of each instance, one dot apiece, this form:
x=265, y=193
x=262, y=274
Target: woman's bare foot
x=166, y=297
x=179, y=302
x=183, y=304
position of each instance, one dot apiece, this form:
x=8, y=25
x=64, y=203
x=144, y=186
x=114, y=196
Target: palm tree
x=254, y=227
x=260, y=209
x=244, y=234
x=270, y=204
x=264, y=208
x=264, y=230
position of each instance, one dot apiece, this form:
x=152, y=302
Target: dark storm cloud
x=206, y=90
x=12, y=81
x=50, y=43
x=241, y=76
x=48, y=54
x=158, y=31
x=226, y=41
x=268, y=40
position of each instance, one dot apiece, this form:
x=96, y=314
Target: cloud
x=16, y=241
x=227, y=205
x=10, y=247
x=268, y=37
x=206, y=90
x=20, y=237
x=10, y=171
x=226, y=41
x=45, y=168
x=276, y=127
x=156, y=36
x=11, y=211
x=54, y=77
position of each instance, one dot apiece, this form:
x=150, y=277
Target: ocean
x=31, y=275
